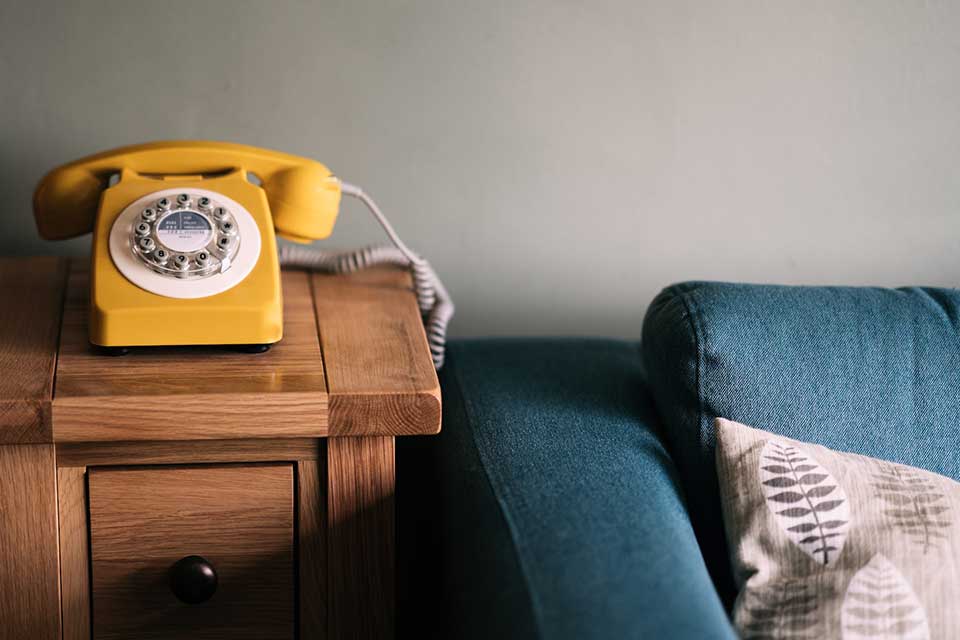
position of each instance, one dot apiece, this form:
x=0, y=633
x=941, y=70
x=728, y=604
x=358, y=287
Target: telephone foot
x=112, y=351
x=253, y=348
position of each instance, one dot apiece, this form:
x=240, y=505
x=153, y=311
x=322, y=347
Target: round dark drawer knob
x=193, y=579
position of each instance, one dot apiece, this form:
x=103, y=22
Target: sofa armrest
x=556, y=512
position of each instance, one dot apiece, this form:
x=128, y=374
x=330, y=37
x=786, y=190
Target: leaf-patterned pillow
x=836, y=545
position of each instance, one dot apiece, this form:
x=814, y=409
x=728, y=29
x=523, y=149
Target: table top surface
x=353, y=361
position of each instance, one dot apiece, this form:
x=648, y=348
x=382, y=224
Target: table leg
x=30, y=571
x=360, y=537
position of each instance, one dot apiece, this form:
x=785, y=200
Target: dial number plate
x=184, y=231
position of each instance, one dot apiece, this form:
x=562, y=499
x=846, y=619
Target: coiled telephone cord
x=436, y=306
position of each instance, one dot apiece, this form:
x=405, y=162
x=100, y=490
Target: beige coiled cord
x=436, y=307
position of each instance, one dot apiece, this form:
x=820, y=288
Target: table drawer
x=237, y=519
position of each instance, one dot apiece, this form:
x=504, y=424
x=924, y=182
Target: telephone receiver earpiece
x=304, y=195
x=65, y=202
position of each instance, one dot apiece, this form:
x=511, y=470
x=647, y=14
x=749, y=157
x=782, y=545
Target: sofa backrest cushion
x=867, y=370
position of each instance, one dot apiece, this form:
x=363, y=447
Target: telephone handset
x=304, y=196
x=184, y=247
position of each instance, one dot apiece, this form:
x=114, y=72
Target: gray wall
x=558, y=162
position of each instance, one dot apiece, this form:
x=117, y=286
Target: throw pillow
x=836, y=545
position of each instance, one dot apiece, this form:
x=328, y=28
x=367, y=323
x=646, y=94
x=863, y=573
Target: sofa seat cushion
x=868, y=370
x=558, y=512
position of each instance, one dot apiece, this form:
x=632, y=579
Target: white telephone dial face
x=185, y=243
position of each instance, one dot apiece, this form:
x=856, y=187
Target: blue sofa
x=572, y=493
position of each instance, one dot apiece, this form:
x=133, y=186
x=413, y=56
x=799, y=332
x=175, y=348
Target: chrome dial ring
x=188, y=236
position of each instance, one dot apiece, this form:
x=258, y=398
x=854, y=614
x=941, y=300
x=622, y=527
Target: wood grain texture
x=360, y=537
x=31, y=297
x=396, y=414
x=29, y=569
x=380, y=376
x=190, y=393
x=74, y=553
x=312, y=547
x=240, y=518
x=185, y=417
x=79, y=454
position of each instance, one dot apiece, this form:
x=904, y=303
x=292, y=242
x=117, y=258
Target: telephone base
x=124, y=314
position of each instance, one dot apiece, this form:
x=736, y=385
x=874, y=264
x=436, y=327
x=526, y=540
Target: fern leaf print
x=914, y=503
x=784, y=610
x=880, y=604
x=808, y=503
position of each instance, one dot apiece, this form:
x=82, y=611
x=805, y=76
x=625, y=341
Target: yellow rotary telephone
x=184, y=251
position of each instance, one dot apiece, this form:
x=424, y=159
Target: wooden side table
x=127, y=484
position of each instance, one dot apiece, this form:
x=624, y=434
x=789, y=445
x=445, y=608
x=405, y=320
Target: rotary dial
x=185, y=236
